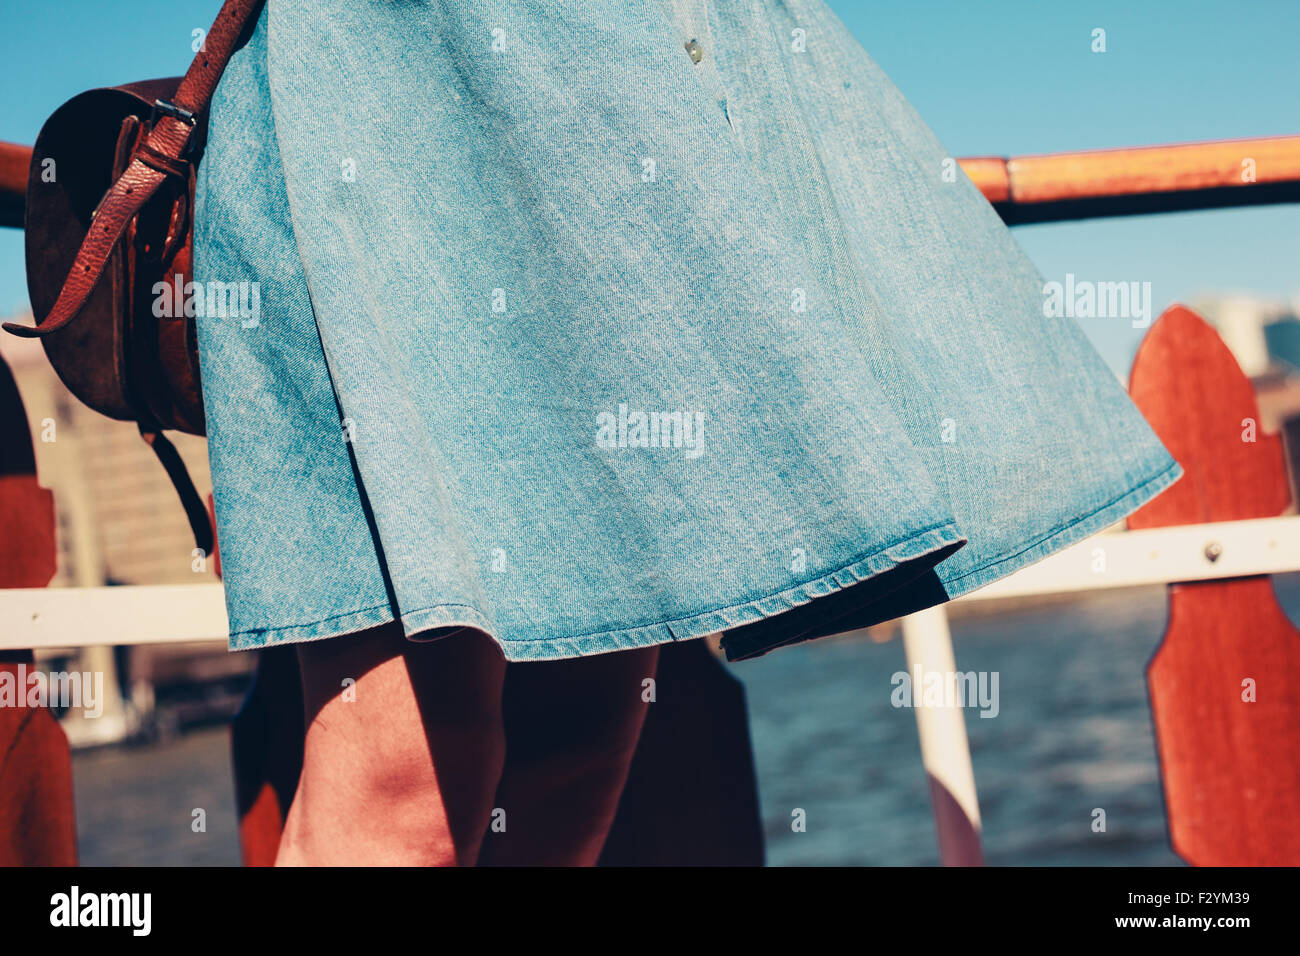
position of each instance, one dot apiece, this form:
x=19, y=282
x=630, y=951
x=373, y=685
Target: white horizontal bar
x=133, y=614
x=1159, y=556
x=167, y=614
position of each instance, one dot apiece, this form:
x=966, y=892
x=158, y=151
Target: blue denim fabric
x=570, y=338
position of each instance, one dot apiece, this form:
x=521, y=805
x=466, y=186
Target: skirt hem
x=997, y=567
x=712, y=622
x=444, y=616
x=1063, y=536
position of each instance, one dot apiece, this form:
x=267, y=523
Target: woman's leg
x=571, y=729
x=403, y=752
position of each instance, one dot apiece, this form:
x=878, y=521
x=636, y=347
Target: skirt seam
x=254, y=637
x=946, y=527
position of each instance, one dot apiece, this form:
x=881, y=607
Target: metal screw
x=1213, y=551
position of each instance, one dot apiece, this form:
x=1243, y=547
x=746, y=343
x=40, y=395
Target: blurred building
x=119, y=521
x=1264, y=336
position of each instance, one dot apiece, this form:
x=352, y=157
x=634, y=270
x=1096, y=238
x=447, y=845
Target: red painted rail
x=1046, y=188
x=1144, y=179
x=14, y=163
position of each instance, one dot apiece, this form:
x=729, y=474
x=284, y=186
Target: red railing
x=1046, y=188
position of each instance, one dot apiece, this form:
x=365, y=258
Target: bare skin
x=399, y=768
x=407, y=765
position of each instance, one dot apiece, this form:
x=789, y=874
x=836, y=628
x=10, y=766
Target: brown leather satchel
x=109, y=214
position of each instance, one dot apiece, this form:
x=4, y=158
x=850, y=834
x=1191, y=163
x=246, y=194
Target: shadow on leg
x=571, y=729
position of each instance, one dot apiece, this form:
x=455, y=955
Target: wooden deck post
x=1225, y=682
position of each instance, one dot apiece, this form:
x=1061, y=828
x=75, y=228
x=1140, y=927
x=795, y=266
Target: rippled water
x=1073, y=734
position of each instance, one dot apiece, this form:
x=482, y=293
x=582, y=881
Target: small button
x=695, y=50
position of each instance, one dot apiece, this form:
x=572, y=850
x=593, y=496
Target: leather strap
x=158, y=158
x=195, y=509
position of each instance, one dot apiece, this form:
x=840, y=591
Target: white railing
x=176, y=613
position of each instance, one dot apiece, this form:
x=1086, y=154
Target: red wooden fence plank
x=37, y=822
x=1225, y=681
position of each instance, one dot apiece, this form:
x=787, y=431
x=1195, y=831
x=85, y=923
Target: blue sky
x=1000, y=77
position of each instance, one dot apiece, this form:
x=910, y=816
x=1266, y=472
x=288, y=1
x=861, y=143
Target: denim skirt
x=597, y=325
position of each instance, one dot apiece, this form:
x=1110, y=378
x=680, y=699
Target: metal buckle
x=168, y=108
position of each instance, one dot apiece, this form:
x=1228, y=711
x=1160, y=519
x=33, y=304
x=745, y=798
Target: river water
x=1072, y=735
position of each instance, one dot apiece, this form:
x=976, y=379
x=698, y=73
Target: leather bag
x=109, y=215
